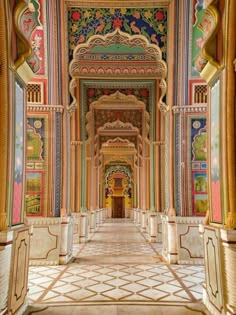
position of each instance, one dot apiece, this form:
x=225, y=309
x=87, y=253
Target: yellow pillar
x=4, y=112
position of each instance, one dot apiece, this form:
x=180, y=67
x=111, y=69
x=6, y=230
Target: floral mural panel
x=37, y=164
x=86, y=22
x=197, y=35
x=197, y=152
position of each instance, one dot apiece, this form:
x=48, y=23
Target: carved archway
x=88, y=61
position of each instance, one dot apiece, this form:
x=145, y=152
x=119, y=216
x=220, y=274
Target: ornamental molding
x=75, y=142
x=45, y=108
x=118, y=142
x=117, y=127
x=189, y=109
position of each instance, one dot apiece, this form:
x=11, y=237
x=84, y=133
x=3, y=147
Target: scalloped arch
x=89, y=63
x=117, y=168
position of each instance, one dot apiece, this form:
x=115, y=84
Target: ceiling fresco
x=132, y=116
x=86, y=22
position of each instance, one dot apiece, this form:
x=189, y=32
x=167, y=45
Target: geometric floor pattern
x=118, y=266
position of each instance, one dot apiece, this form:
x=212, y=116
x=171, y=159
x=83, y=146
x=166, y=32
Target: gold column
x=230, y=48
x=77, y=156
x=72, y=162
x=4, y=113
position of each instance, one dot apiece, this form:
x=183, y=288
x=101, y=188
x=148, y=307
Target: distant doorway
x=118, y=207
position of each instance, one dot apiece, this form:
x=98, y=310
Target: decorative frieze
x=189, y=109
x=44, y=108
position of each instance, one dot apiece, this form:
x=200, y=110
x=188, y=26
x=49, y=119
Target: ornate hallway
x=116, y=272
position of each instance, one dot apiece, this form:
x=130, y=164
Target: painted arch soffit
x=125, y=56
x=123, y=103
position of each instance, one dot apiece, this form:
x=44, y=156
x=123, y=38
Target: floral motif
x=76, y=15
x=117, y=23
x=159, y=16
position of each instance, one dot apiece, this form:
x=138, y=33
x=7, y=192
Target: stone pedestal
x=83, y=227
x=213, y=290
x=76, y=226
x=159, y=227
x=153, y=227
x=92, y=221
x=45, y=242
x=135, y=215
x=138, y=221
x=169, y=250
x=97, y=219
x=143, y=221
x=66, y=247
x=14, y=256
x=101, y=216
x=131, y=214
x=189, y=242
x=6, y=243
x=104, y=214
x=228, y=238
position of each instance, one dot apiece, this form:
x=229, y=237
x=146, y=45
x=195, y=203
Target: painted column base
x=83, y=227
x=66, y=248
x=152, y=227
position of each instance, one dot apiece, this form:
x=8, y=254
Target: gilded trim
x=4, y=114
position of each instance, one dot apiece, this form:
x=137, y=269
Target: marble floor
x=116, y=272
